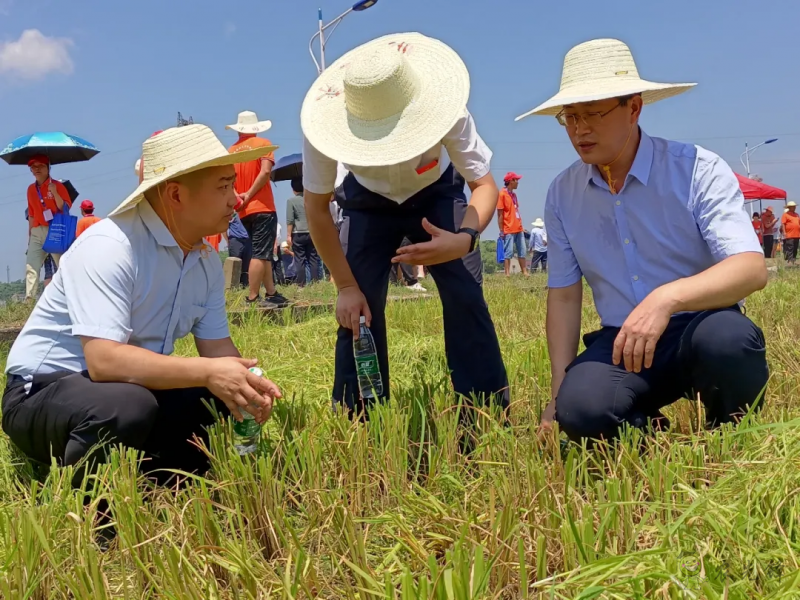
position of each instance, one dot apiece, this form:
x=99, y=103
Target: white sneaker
x=417, y=287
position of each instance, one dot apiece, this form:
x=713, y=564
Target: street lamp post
x=744, y=158
x=357, y=7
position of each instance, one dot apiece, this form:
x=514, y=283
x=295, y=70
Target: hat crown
x=596, y=60
x=247, y=117
x=169, y=151
x=380, y=85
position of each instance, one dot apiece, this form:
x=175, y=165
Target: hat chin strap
x=607, y=168
x=172, y=227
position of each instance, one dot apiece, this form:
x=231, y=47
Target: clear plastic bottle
x=247, y=433
x=369, y=370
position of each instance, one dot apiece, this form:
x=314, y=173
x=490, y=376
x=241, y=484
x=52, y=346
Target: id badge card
x=48, y=214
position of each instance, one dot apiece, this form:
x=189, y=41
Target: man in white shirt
x=538, y=246
x=393, y=112
x=93, y=363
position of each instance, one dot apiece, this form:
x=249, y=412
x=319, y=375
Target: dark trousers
x=405, y=271
x=718, y=354
x=65, y=415
x=242, y=248
x=305, y=255
x=769, y=243
x=539, y=259
x=790, y=249
x=372, y=231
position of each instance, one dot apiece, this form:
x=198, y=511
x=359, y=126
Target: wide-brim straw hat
x=791, y=203
x=602, y=69
x=181, y=150
x=387, y=101
x=538, y=223
x=247, y=122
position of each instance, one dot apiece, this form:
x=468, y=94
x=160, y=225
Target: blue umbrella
x=59, y=147
x=288, y=168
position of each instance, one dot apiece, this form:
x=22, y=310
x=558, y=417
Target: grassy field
x=392, y=510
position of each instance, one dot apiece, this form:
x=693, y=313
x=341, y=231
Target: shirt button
x=618, y=202
x=627, y=241
x=636, y=278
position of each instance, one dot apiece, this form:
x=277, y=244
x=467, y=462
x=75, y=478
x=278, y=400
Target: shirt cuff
x=317, y=188
x=115, y=335
x=561, y=282
x=219, y=333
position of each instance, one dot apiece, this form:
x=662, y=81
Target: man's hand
x=230, y=380
x=443, y=247
x=51, y=187
x=548, y=417
x=350, y=305
x=636, y=341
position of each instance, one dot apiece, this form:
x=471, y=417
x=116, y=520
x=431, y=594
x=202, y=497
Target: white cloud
x=35, y=55
x=230, y=29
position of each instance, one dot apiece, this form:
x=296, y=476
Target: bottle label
x=367, y=365
x=246, y=428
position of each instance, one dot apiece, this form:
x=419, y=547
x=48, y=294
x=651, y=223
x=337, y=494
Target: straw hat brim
x=603, y=90
x=220, y=161
x=441, y=100
x=259, y=127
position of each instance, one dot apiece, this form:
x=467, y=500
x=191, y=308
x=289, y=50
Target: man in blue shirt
x=93, y=363
x=658, y=230
x=240, y=246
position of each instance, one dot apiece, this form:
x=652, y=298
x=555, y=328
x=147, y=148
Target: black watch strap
x=474, y=234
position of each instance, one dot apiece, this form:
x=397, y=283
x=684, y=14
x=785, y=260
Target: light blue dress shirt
x=679, y=212
x=125, y=279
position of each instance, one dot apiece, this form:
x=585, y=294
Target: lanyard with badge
x=516, y=204
x=46, y=212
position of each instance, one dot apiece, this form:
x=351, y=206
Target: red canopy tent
x=755, y=190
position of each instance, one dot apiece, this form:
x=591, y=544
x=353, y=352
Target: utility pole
x=182, y=121
x=8, y=274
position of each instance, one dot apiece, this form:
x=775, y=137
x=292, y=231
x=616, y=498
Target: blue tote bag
x=61, y=232
x=501, y=255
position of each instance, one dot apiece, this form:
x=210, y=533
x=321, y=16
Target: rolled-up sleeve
x=214, y=323
x=467, y=151
x=98, y=276
x=319, y=171
x=718, y=208
x=562, y=269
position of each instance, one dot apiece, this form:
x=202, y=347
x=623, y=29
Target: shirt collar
x=155, y=225
x=640, y=169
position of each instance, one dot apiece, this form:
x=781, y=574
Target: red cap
x=510, y=176
x=87, y=205
x=39, y=158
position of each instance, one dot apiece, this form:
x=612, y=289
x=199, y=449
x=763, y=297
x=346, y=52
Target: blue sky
x=114, y=72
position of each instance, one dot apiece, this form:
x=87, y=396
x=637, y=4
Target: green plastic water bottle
x=247, y=433
x=368, y=368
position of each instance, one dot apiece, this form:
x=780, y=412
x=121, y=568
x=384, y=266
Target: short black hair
x=297, y=184
x=623, y=100
x=756, y=215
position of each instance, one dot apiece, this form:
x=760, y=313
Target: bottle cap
x=362, y=319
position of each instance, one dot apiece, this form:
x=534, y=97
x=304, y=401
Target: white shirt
x=538, y=241
x=125, y=280
x=461, y=145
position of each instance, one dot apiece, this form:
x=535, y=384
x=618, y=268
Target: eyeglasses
x=592, y=119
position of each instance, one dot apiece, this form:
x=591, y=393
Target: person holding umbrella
x=46, y=197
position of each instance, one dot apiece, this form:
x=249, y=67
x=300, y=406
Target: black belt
x=15, y=381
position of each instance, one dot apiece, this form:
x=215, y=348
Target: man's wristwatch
x=473, y=234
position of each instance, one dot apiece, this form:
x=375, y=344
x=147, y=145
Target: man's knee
x=129, y=414
x=727, y=338
x=585, y=402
